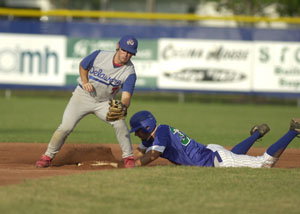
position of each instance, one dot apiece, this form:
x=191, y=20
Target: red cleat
x=129, y=162
x=44, y=162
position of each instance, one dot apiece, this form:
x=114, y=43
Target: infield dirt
x=17, y=160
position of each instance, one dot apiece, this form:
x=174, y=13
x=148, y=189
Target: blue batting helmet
x=129, y=43
x=142, y=120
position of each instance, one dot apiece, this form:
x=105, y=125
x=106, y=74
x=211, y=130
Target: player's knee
x=65, y=129
x=120, y=125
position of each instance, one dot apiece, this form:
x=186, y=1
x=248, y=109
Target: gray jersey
x=106, y=78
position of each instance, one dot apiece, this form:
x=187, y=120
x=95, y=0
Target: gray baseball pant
x=78, y=107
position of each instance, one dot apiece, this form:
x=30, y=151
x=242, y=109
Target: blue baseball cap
x=129, y=44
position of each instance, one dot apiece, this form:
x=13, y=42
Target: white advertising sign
x=32, y=59
x=277, y=67
x=176, y=64
x=205, y=65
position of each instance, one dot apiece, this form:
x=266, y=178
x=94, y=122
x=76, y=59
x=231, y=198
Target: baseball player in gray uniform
x=102, y=75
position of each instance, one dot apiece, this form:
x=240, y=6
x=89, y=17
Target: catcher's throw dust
x=102, y=75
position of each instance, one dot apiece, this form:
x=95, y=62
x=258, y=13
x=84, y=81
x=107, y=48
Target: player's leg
x=270, y=157
x=76, y=109
x=276, y=149
x=257, y=131
x=123, y=137
x=230, y=159
x=122, y=133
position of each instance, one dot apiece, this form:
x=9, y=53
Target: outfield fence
x=259, y=61
x=140, y=15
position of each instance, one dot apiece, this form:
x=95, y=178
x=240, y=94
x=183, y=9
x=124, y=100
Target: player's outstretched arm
x=126, y=98
x=138, y=152
x=147, y=158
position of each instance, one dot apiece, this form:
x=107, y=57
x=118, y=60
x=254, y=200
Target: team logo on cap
x=130, y=42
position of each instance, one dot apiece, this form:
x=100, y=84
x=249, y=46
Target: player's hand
x=88, y=87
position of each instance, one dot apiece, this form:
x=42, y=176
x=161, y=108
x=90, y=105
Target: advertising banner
x=277, y=67
x=205, y=65
x=163, y=64
x=32, y=59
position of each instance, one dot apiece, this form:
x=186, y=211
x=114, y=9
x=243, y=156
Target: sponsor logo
x=8, y=59
x=218, y=53
x=101, y=76
x=171, y=51
x=206, y=75
x=81, y=48
x=221, y=53
x=21, y=61
x=130, y=42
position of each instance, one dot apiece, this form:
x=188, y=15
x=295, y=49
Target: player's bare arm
x=138, y=152
x=84, y=79
x=147, y=158
x=126, y=98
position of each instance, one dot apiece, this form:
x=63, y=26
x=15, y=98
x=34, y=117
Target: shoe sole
x=295, y=124
x=262, y=129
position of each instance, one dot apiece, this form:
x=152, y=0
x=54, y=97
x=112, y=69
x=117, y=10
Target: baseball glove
x=116, y=111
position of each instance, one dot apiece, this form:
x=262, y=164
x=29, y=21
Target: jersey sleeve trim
x=156, y=148
x=141, y=146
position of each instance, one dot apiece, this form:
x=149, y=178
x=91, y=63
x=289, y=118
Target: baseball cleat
x=262, y=129
x=295, y=124
x=44, y=162
x=129, y=162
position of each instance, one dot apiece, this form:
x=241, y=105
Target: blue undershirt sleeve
x=129, y=83
x=88, y=61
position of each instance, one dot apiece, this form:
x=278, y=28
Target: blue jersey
x=179, y=148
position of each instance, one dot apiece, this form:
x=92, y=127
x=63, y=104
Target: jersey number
x=114, y=89
x=185, y=140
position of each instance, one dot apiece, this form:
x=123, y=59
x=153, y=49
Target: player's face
x=142, y=135
x=122, y=56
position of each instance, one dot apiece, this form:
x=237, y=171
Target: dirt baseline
x=17, y=160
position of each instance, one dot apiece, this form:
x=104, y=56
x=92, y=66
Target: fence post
x=180, y=97
x=7, y=93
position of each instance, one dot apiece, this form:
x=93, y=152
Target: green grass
x=168, y=189
x=162, y=189
x=34, y=119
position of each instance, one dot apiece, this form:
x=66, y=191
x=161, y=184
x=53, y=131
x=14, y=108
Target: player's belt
x=80, y=86
x=218, y=157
